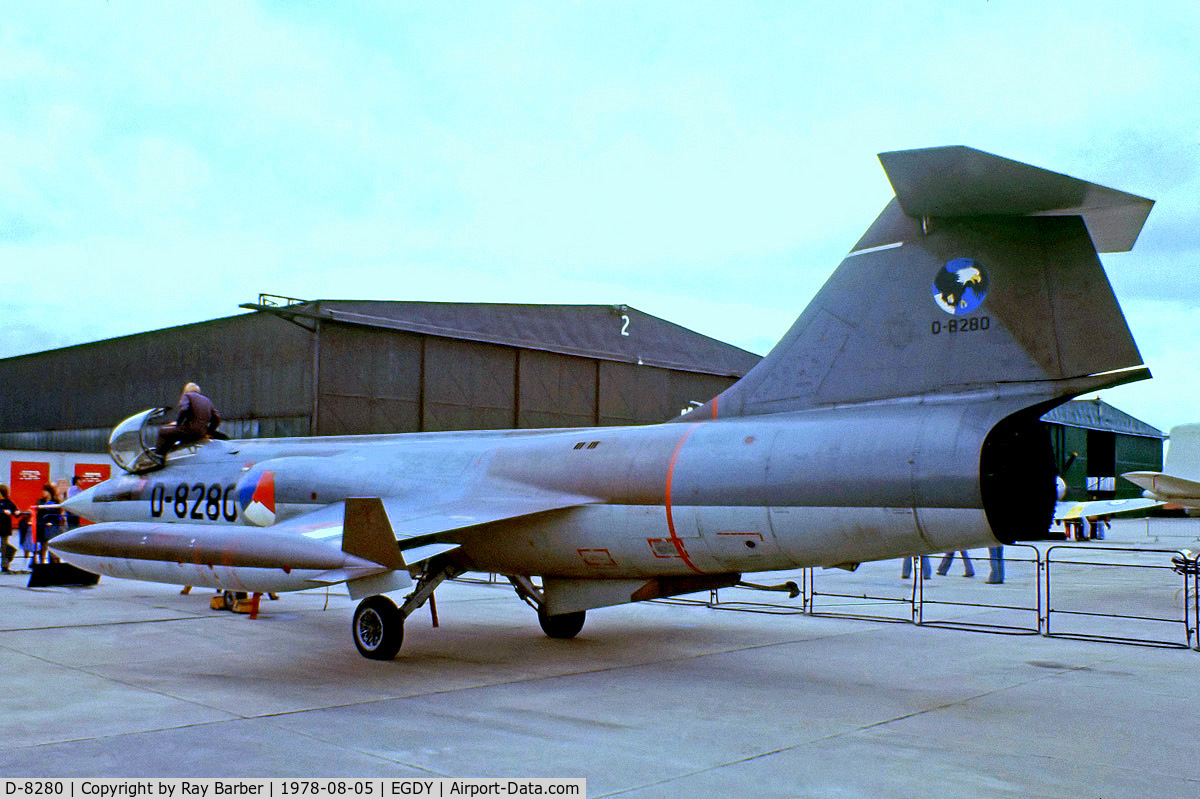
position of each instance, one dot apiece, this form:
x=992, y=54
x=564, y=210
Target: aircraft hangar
x=332, y=367
x=336, y=367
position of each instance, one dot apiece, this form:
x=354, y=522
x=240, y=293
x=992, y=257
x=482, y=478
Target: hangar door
x=468, y=385
x=369, y=381
x=1101, y=464
x=555, y=390
x=632, y=394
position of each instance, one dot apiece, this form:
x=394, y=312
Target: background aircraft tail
x=1183, y=453
x=1179, y=481
x=981, y=273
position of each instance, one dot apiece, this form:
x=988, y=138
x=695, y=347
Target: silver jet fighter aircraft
x=898, y=415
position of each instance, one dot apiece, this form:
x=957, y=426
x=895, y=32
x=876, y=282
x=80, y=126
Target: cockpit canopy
x=132, y=441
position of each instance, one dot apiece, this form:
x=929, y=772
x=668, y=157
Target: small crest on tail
x=960, y=286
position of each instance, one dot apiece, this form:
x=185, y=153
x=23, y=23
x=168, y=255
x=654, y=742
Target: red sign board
x=25, y=482
x=90, y=474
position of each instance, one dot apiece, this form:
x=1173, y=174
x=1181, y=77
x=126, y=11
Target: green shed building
x=1094, y=443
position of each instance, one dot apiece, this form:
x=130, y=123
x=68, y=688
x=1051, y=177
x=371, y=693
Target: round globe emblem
x=960, y=286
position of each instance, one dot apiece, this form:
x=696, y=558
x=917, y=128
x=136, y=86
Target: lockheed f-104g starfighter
x=898, y=415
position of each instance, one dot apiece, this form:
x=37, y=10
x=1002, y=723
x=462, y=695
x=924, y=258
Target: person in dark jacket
x=48, y=522
x=196, y=417
x=8, y=515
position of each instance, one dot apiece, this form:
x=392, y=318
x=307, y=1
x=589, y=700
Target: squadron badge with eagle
x=960, y=286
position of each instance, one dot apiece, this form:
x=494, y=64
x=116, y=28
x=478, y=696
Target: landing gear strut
x=561, y=625
x=378, y=626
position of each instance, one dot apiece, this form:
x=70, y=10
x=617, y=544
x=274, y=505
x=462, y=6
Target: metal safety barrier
x=1032, y=556
x=1187, y=564
x=1182, y=563
x=490, y=579
x=917, y=606
x=863, y=602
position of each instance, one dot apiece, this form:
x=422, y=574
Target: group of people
x=1092, y=528
x=35, y=526
x=995, y=560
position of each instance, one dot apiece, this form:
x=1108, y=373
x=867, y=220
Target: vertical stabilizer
x=982, y=272
x=1179, y=481
x=1183, y=453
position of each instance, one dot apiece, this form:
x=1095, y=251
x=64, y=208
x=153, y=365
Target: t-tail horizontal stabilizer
x=980, y=278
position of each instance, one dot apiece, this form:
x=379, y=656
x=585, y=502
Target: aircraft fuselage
x=748, y=494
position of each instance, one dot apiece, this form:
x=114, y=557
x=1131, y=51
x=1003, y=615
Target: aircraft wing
x=399, y=533
x=418, y=519
x=420, y=528
x=421, y=517
x=1169, y=487
x=1100, y=507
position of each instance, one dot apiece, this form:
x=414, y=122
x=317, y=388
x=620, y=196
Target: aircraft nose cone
x=80, y=503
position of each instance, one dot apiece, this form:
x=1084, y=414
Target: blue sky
x=706, y=163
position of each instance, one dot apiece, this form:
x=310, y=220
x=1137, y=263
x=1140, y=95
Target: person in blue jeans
x=996, y=561
x=906, y=568
x=948, y=558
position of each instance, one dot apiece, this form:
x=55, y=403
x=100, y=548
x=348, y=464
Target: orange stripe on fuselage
x=667, y=502
x=716, y=400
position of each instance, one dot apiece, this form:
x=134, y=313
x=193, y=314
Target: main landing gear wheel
x=564, y=625
x=378, y=628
